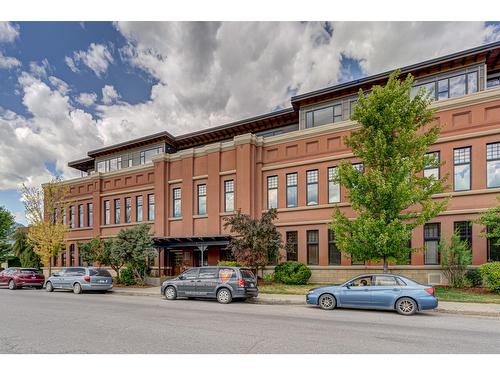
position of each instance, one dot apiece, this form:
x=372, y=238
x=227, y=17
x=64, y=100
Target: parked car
x=80, y=279
x=20, y=277
x=220, y=282
x=376, y=291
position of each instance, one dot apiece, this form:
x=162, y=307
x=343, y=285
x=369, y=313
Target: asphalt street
x=33, y=321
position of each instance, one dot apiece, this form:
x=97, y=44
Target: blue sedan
x=376, y=291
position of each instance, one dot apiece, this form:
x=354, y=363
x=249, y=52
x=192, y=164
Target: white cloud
x=97, y=57
x=7, y=62
x=109, y=94
x=8, y=32
x=40, y=69
x=59, y=85
x=87, y=98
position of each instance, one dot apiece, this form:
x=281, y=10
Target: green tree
x=258, y=242
x=6, y=228
x=390, y=196
x=491, y=220
x=455, y=257
x=24, y=251
x=96, y=250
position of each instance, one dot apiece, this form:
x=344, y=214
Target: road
x=34, y=321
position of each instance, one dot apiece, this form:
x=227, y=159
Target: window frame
x=294, y=244
x=436, y=239
x=71, y=217
x=139, y=208
x=90, y=215
x=201, y=195
x=455, y=164
x=151, y=207
x=310, y=244
x=272, y=189
x=128, y=210
x=308, y=202
x=332, y=183
x=228, y=193
x=491, y=160
x=117, y=210
x=291, y=186
x=107, y=212
x=438, y=168
x=331, y=243
x=80, y=216
x=176, y=199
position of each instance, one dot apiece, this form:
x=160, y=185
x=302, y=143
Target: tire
x=170, y=293
x=327, y=302
x=224, y=296
x=49, y=287
x=12, y=285
x=406, y=306
x=77, y=288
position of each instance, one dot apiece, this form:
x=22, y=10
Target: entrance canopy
x=182, y=242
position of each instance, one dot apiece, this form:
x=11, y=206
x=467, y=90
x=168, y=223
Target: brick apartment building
x=185, y=185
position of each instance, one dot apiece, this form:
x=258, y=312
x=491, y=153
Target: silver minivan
x=79, y=279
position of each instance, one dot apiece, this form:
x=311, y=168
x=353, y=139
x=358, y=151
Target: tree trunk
x=50, y=268
x=386, y=265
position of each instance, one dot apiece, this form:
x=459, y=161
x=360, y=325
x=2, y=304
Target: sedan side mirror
x=348, y=285
x=181, y=277
x=55, y=274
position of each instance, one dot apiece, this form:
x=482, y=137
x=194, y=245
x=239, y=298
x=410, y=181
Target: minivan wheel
x=77, y=288
x=224, y=296
x=49, y=287
x=406, y=306
x=170, y=293
x=12, y=285
x=327, y=302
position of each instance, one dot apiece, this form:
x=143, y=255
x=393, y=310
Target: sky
x=69, y=87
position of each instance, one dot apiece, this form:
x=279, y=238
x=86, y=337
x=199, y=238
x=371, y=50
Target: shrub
x=228, y=263
x=127, y=276
x=268, y=277
x=292, y=273
x=455, y=257
x=473, y=278
x=490, y=272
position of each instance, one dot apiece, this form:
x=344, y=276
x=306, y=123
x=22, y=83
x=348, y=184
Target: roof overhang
x=191, y=241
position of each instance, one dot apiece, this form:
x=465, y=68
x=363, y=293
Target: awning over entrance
x=180, y=242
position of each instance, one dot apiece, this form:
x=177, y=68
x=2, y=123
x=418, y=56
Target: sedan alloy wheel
x=406, y=306
x=327, y=302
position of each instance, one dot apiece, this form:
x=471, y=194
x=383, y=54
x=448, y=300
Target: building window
x=138, y=208
x=359, y=167
x=128, y=210
x=333, y=186
x=292, y=246
x=177, y=202
x=151, y=207
x=63, y=210
x=80, y=216
x=117, y=211
x=90, y=215
x=63, y=259
x=272, y=192
x=432, y=235
x=464, y=230
x=54, y=216
x=312, y=187
x=291, y=190
x=334, y=255
x=228, y=196
x=432, y=168
x=493, y=165
x=312, y=247
x=72, y=217
x=493, y=250
x=71, y=255
x=462, y=170
x=107, y=213
x=202, y=199
x=324, y=116
x=493, y=82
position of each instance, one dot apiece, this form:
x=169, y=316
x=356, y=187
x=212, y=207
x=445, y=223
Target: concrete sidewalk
x=483, y=309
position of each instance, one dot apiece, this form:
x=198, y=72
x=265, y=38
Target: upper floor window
x=272, y=192
x=228, y=196
x=72, y=217
x=128, y=210
x=449, y=87
x=493, y=82
x=138, y=208
x=107, y=213
x=90, y=214
x=432, y=168
x=80, y=216
x=202, y=199
x=312, y=187
x=462, y=169
x=333, y=186
x=54, y=216
x=493, y=164
x=324, y=116
x=63, y=213
x=117, y=211
x=151, y=207
x=177, y=202
x=291, y=190
x=147, y=155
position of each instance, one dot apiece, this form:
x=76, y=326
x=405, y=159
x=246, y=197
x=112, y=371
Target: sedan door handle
x=367, y=290
x=198, y=281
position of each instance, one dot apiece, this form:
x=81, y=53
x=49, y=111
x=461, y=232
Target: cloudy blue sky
x=67, y=87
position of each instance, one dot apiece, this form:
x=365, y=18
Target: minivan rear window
x=247, y=274
x=99, y=272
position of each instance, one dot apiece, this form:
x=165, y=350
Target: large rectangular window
x=493, y=250
x=177, y=203
x=117, y=211
x=90, y=215
x=333, y=186
x=334, y=255
x=72, y=217
x=80, y=216
x=151, y=207
x=128, y=210
x=462, y=169
x=138, y=208
x=54, y=216
x=272, y=192
x=313, y=247
x=464, y=230
x=202, y=199
x=107, y=213
x=63, y=214
x=312, y=187
x=228, y=196
x=432, y=235
x=292, y=246
x=432, y=168
x=324, y=116
x=493, y=165
x=291, y=190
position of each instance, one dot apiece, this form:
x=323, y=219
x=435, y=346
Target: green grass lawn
x=443, y=293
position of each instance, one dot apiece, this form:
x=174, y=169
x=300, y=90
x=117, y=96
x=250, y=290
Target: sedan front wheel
x=170, y=293
x=327, y=302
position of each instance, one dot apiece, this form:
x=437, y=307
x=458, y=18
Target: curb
x=468, y=312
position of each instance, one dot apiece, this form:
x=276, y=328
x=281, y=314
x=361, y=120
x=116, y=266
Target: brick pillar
x=187, y=195
x=160, y=193
x=214, y=192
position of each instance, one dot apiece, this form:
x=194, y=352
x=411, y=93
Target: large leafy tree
x=390, y=197
x=6, y=227
x=257, y=242
x=24, y=251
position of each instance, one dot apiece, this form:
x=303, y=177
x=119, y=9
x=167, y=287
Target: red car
x=18, y=277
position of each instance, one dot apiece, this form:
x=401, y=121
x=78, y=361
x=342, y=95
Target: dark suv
x=220, y=282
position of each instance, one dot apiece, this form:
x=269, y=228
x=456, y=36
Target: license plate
x=102, y=281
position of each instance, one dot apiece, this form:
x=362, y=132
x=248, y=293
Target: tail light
x=241, y=282
x=430, y=290
x=87, y=279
